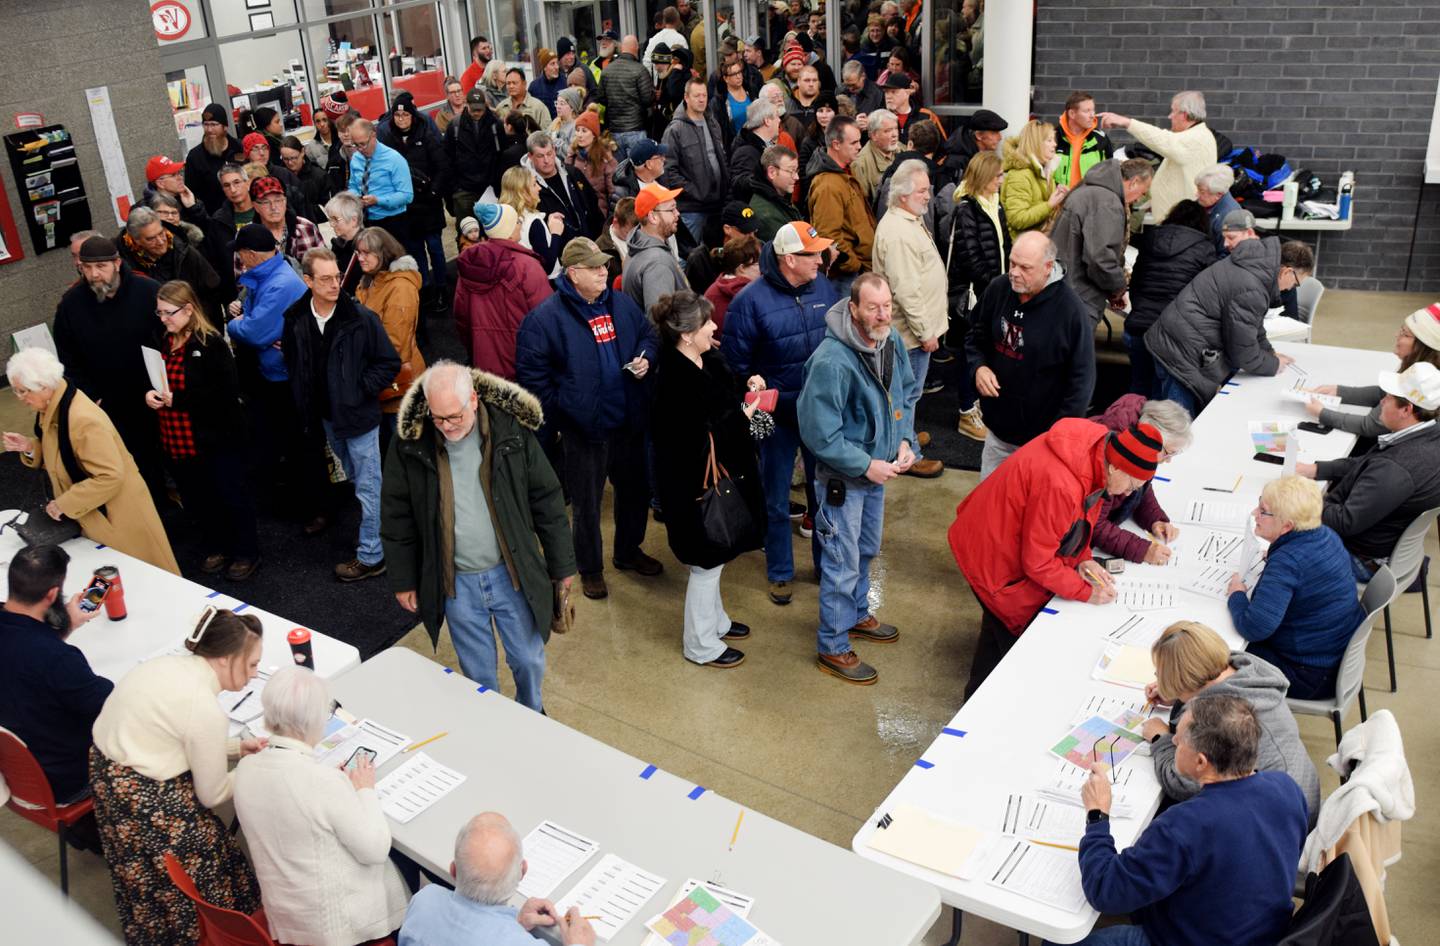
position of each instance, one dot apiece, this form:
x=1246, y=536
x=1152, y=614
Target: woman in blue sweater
x=1304, y=609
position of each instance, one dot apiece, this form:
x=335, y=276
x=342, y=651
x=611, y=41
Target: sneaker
x=807, y=526
x=972, y=424
x=872, y=630
x=923, y=439
x=933, y=385
x=780, y=592
x=641, y=564
x=942, y=356
x=847, y=667
x=213, y=563
x=594, y=586
x=797, y=510
x=242, y=568
x=737, y=632
x=926, y=469
x=356, y=570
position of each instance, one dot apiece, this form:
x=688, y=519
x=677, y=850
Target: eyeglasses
x=326, y=280
x=1261, y=513
x=171, y=313
x=448, y=420
x=274, y=200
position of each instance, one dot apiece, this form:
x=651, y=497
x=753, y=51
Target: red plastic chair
x=32, y=799
x=222, y=927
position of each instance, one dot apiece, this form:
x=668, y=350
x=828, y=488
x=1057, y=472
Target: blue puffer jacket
x=1304, y=605
x=271, y=288
x=558, y=360
x=772, y=328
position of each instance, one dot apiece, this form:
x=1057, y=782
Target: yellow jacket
x=1025, y=192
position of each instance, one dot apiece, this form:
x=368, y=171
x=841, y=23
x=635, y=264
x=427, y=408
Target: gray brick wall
x=56, y=50
x=1331, y=86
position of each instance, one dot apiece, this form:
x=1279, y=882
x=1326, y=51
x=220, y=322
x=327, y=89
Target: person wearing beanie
x=216, y=149
x=498, y=283
x=547, y=85
x=1151, y=544
x=467, y=233
x=1417, y=340
x=593, y=155
x=1023, y=535
x=269, y=124
x=568, y=105
x=473, y=144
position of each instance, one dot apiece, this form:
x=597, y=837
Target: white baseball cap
x=1419, y=384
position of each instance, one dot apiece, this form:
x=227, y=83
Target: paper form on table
x=1042, y=819
x=552, y=853
x=336, y=748
x=415, y=786
x=614, y=890
x=1045, y=874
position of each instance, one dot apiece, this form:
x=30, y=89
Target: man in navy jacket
x=1217, y=868
x=585, y=353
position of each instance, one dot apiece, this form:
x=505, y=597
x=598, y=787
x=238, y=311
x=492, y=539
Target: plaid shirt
x=177, y=434
x=302, y=237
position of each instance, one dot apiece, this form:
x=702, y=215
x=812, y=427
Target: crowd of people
x=705, y=281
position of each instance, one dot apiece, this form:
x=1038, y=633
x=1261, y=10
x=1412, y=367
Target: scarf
x=1077, y=144
x=144, y=259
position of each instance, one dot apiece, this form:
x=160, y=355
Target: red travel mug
x=115, y=597
x=299, y=639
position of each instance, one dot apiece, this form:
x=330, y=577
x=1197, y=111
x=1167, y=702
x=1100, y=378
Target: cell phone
x=1314, y=428
x=355, y=757
x=1270, y=458
x=835, y=492
x=94, y=594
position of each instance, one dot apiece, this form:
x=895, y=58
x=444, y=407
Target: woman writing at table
x=1141, y=506
x=1191, y=659
x=159, y=766
x=320, y=844
x=1418, y=340
x=1304, y=609
x=93, y=478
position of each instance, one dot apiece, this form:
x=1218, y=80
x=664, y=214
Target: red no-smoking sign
x=171, y=19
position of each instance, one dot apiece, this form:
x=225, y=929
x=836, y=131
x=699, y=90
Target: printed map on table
x=1101, y=740
x=702, y=920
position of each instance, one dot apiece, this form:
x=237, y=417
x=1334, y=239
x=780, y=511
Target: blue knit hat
x=487, y=214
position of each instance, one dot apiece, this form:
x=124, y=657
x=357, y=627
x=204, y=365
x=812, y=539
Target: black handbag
x=39, y=529
x=724, y=514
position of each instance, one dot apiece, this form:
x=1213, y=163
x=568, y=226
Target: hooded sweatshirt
x=652, y=270
x=1263, y=686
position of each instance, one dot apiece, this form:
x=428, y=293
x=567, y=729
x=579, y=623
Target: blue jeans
x=1142, y=365
x=695, y=223
x=624, y=141
x=1167, y=388
x=1361, y=571
x=360, y=458
x=920, y=365
x=777, y=463
x=1115, y=936
x=479, y=598
x=432, y=271
x=849, y=537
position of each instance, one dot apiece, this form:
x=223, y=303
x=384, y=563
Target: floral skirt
x=140, y=820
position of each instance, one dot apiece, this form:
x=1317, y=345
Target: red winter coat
x=721, y=293
x=499, y=282
x=1007, y=534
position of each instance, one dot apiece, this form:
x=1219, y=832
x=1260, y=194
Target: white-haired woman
x=319, y=843
x=1173, y=422
x=92, y=477
x=347, y=217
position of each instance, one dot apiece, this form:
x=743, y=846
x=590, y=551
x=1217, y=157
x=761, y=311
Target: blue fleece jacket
x=388, y=180
x=569, y=354
x=1217, y=868
x=271, y=288
x=548, y=90
x=854, y=406
x=1304, y=605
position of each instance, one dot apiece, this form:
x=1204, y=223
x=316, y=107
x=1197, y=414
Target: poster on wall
x=47, y=179
x=107, y=139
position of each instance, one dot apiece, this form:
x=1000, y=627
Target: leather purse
x=39, y=529
x=400, y=385
x=725, y=517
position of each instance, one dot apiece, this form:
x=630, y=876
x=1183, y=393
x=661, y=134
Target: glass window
x=246, y=16
x=319, y=9
x=189, y=90
x=267, y=70
x=959, y=52
x=508, y=31
x=417, y=55
x=176, y=21
x=346, y=55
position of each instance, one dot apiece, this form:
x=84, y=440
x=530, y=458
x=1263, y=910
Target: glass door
x=189, y=80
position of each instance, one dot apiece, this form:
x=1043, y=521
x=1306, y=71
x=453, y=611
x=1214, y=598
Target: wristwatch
x=1095, y=816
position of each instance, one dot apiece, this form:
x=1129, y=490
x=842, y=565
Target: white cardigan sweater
x=1186, y=154
x=320, y=849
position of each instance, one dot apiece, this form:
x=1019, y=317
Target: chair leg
x=64, y=862
x=1425, y=600
x=957, y=918
x=1024, y=939
x=1364, y=714
x=1390, y=648
x=1335, y=718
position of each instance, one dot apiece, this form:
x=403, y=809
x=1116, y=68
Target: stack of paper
x=1116, y=707
x=1219, y=548
x=1298, y=393
x=415, y=786
x=1136, y=594
x=1038, y=818
x=1211, y=581
x=1135, y=629
x=914, y=835
x=1125, y=665
x=614, y=890
x=243, y=705
x=1232, y=516
x=1065, y=784
x=1038, y=872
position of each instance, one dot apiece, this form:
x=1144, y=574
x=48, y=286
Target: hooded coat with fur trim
x=394, y=296
x=521, y=491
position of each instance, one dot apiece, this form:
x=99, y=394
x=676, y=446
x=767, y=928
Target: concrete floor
x=820, y=755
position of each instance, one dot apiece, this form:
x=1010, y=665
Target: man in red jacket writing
x=1024, y=534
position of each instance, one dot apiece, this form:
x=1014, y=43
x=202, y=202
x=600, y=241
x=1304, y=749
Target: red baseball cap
x=159, y=166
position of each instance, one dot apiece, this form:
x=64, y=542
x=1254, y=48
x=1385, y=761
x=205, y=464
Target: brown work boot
x=872, y=630
x=780, y=592
x=594, y=585
x=972, y=424
x=926, y=469
x=848, y=667
x=356, y=570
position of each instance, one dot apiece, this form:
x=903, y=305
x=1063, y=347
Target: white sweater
x=320, y=849
x=1186, y=154
x=163, y=720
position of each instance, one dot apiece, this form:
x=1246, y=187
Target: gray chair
x=1307, y=298
x=1411, y=568
x=1350, y=683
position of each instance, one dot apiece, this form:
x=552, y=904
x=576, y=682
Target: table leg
x=955, y=922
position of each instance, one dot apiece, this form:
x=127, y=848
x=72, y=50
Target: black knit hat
x=98, y=249
x=252, y=236
x=215, y=112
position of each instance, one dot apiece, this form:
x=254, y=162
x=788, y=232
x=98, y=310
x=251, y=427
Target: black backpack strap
x=73, y=469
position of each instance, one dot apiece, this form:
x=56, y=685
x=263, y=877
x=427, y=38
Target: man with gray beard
x=216, y=149
x=100, y=325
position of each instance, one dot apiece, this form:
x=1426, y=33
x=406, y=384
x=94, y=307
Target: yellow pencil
x=736, y=833
x=427, y=741
x=1063, y=847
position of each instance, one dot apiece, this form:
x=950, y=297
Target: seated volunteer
x=1110, y=538
x=1374, y=497
x=1190, y=660
x=1024, y=533
x=1304, y=609
x=1218, y=868
x=1417, y=340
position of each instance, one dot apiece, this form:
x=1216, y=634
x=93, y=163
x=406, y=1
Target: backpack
x=1255, y=172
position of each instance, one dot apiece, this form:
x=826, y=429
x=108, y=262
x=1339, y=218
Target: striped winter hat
x=1135, y=451
x=1424, y=324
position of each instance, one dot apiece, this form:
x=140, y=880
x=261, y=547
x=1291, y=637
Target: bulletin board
x=10, y=250
x=47, y=178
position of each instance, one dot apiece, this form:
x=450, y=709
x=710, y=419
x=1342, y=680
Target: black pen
x=248, y=694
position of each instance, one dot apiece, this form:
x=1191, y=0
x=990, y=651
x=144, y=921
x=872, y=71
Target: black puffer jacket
x=1216, y=325
x=1170, y=256
x=424, y=150
x=626, y=90
x=978, y=254
x=473, y=148
x=745, y=169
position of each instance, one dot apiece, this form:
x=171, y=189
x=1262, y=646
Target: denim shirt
x=439, y=916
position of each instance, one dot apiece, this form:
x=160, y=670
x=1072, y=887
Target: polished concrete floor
x=821, y=755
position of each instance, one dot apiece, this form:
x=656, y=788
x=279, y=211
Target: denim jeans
x=1362, y=572
x=360, y=458
x=432, y=270
x=706, y=622
x=695, y=223
x=777, y=463
x=920, y=365
x=849, y=537
x=1142, y=365
x=1167, y=388
x=994, y=453
x=624, y=141
x=1125, y=935
x=479, y=598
